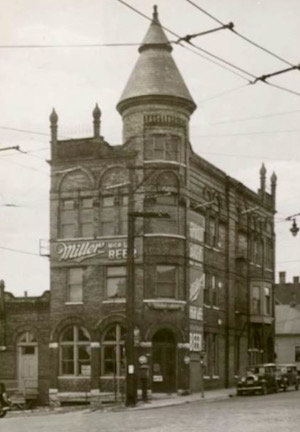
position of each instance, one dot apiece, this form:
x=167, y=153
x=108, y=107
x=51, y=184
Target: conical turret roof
x=156, y=73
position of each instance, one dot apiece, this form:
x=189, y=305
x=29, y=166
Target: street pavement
x=216, y=412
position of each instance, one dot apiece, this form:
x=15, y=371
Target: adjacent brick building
x=203, y=274
x=287, y=324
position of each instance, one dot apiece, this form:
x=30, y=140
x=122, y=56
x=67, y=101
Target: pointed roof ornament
x=155, y=73
x=53, y=117
x=273, y=178
x=263, y=170
x=97, y=112
x=155, y=14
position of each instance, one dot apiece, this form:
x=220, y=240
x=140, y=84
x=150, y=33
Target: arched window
x=75, y=351
x=113, y=343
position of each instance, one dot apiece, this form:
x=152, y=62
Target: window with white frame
x=162, y=147
x=86, y=213
x=75, y=352
x=115, y=281
x=256, y=309
x=114, y=215
x=67, y=219
x=297, y=353
x=113, y=347
x=214, y=293
x=75, y=285
x=267, y=292
x=166, y=281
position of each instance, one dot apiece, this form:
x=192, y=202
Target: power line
x=241, y=119
x=26, y=167
x=249, y=133
x=198, y=48
x=27, y=131
x=95, y=45
x=20, y=251
x=239, y=34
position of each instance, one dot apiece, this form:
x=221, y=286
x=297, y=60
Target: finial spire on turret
x=155, y=14
x=97, y=116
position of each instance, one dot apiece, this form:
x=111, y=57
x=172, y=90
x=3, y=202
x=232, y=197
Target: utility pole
x=131, y=390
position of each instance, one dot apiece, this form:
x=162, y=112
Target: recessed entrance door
x=27, y=364
x=164, y=362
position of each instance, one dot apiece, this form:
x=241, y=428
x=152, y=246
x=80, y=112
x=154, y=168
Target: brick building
x=287, y=323
x=203, y=274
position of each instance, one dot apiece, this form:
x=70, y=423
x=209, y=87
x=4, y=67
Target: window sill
x=164, y=161
x=216, y=308
x=165, y=235
x=72, y=377
x=116, y=300
x=73, y=303
x=165, y=303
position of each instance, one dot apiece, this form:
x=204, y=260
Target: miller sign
x=79, y=251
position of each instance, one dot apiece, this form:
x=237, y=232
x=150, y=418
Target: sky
x=237, y=126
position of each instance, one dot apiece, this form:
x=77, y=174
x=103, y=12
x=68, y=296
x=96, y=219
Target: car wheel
x=2, y=411
x=264, y=390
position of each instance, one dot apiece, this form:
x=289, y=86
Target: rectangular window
x=172, y=148
x=297, y=353
x=207, y=349
x=75, y=285
x=67, y=219
x=166, y=281
x=116, y=281
x=236, y=355
x=86, y=218
x=267, y=301
x=256, y=300
x=67, y=360
x=159, y=147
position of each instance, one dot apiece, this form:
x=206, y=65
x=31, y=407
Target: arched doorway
x=164, y=362
x=27, y=349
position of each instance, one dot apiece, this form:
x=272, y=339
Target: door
x=27, y=366
x=164, y=362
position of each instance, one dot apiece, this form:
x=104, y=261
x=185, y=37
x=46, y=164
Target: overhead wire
x=240, y=35
x=241, y=119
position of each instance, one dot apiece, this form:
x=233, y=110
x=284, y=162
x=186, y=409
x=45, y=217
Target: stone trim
x=145, y=344
x=53, y=345
x=183, y=345
x=95, y=345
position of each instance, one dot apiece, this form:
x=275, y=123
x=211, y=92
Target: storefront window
x=75, y=352
x=113, y=354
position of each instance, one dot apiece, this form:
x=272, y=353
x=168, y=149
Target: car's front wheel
x=264, y=389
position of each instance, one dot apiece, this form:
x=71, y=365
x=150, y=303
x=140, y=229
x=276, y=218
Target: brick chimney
x=282, y=278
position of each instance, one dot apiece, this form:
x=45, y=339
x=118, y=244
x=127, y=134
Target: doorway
x=164, y=364
x=27, y=364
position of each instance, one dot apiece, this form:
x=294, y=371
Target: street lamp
x=294, y=229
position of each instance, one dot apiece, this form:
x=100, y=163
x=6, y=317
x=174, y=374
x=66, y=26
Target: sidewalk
x=165, y=400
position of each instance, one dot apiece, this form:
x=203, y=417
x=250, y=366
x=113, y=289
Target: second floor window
x=115, y=282
x=75, y=285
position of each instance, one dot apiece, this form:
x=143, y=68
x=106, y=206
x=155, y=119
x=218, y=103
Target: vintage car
x=260, y=378
x=287, y=376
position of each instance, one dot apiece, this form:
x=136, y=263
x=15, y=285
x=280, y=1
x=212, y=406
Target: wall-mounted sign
x=196, y=313
x=196, y=342
x=157, y=378
x=196, y=254
x=197, y=282
x=197, y=229
x=80, y=250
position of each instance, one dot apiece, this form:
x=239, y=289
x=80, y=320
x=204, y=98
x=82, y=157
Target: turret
x=155, y=97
